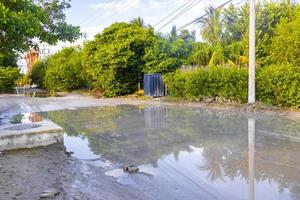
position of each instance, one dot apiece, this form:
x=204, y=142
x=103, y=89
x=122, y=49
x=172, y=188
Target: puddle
x=188, y=153
x=22, y=118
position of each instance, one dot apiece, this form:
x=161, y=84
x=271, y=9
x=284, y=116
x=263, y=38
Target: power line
x=180, y=13
x=94, y=15
x=169, y=15
x=98, y=14
x=115, y=13
x=202, y=16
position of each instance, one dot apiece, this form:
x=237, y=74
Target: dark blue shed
x=154, y=85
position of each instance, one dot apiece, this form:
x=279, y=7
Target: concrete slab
x=29, y=135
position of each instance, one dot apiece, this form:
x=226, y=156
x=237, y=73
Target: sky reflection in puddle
x=188, y=153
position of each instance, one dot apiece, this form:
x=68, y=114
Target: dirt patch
x=29, y=174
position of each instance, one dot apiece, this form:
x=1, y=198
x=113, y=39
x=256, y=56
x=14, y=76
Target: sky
x=95, y=15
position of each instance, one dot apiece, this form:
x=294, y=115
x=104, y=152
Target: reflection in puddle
x=7, y=118
x=188, y=153
x=251, y=157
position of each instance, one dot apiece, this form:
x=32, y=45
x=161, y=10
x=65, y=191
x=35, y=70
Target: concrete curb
x=21, y=136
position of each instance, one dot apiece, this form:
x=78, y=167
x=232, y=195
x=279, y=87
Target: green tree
x=64, y=70
x=285, y=47
x=173, y=34
x=212, y=26
x=114, y=59
x=8, y=76
x=187, y=36
x=169, y=52
x=23, y=23
x=201, y=54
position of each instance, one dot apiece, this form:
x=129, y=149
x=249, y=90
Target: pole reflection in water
x=251, y=154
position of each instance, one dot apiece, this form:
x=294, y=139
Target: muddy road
x=29, y=174
x=179, y=144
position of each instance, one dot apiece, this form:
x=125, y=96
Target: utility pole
x=251, y=82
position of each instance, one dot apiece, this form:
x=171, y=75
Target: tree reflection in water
x=138, y=135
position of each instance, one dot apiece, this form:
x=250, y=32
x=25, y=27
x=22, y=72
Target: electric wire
x=93, y=14
x=116, y=13
x=190, y=179
x=91, y=18
x=202, y=16
x=197, y=25
x=180, y=13
x=172, y=13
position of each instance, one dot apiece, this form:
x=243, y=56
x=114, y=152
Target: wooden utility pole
x=251, y=82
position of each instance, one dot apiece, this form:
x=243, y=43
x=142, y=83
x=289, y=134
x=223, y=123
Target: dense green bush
x=38, y=73
x=8, y=76
x=64, y=70
x=275, y=84
x=114, y=59
x=279, y=85
x=228, y=83
x=176, y=82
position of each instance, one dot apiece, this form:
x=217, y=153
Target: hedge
x=279, y=85
x=227, y=83
x=8, y=76
x=275, y=84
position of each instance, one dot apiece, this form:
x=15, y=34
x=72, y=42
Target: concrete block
x=29, y=135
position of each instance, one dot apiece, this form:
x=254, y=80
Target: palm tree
x=212, y=26
x=138, y=21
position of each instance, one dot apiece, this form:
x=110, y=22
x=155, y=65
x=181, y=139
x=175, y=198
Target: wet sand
x=26, y=174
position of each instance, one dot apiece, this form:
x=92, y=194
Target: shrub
x=23, y=80
x=275, y=84
x=64, y=70
x=176, y=83
x=279, y=85
x=114, y=59
x=229, y=83
x=38, y=74
x=8, y=76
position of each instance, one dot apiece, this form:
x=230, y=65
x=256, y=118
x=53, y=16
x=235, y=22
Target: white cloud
x=117, y=6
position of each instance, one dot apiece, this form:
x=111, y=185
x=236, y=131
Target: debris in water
x=49, y=194
x=69, y=153
x=2, y=153
x=130, y=169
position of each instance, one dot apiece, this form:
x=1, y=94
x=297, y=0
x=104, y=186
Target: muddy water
x=188, y=153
